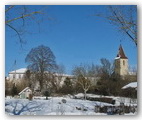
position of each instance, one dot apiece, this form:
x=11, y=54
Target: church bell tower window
x=123, y=62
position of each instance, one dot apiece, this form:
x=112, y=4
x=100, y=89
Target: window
x=19, y=76
x=123, y=62
x=13, y=76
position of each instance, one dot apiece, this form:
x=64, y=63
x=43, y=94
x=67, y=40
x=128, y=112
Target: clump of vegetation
x=67, y=87
x=47, y=94
x=14, y=90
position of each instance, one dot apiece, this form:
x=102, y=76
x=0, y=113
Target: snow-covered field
x=55, y=106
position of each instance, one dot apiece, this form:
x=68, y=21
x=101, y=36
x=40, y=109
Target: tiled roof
x=121, y=53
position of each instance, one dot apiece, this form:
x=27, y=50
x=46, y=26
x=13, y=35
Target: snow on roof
x=132, y=73
x=24, y=90
x=22, y=70
x=117, y=58
x=130, y=85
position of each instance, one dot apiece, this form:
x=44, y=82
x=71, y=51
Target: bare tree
x=94, y=70
x=48, y=77
x=85, y=83
x=124, y=17
x=54, y=78
x=106, y=66
x=40, y=60
x=27, y=78
x=83, y=77
x=17, y=17
x=58, y=76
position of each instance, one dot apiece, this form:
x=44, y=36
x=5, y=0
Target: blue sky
x=74, y=35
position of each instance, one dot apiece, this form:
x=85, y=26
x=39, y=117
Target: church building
x=121, y=63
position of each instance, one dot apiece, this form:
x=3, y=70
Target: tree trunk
x=84, y=94
x=46, y=98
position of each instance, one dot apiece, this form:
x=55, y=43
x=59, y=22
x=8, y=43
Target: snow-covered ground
x=55, y=106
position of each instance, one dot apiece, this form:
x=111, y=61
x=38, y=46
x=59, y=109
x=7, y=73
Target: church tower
x=121, y=63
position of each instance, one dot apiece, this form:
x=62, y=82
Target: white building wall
x=16, y=76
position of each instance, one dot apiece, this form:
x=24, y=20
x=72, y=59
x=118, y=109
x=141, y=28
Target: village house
x=25, y=93
x=19, y=74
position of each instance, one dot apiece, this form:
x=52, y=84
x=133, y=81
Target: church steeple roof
x=121, y=53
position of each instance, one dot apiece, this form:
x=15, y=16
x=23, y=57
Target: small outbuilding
x=130, y=85
x=130, y=90
x=26, y=93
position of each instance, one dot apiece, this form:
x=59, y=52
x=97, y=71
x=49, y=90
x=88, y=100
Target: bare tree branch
x=23, y=16
x=16, y=32
x=10, y=7
x=125, y=19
